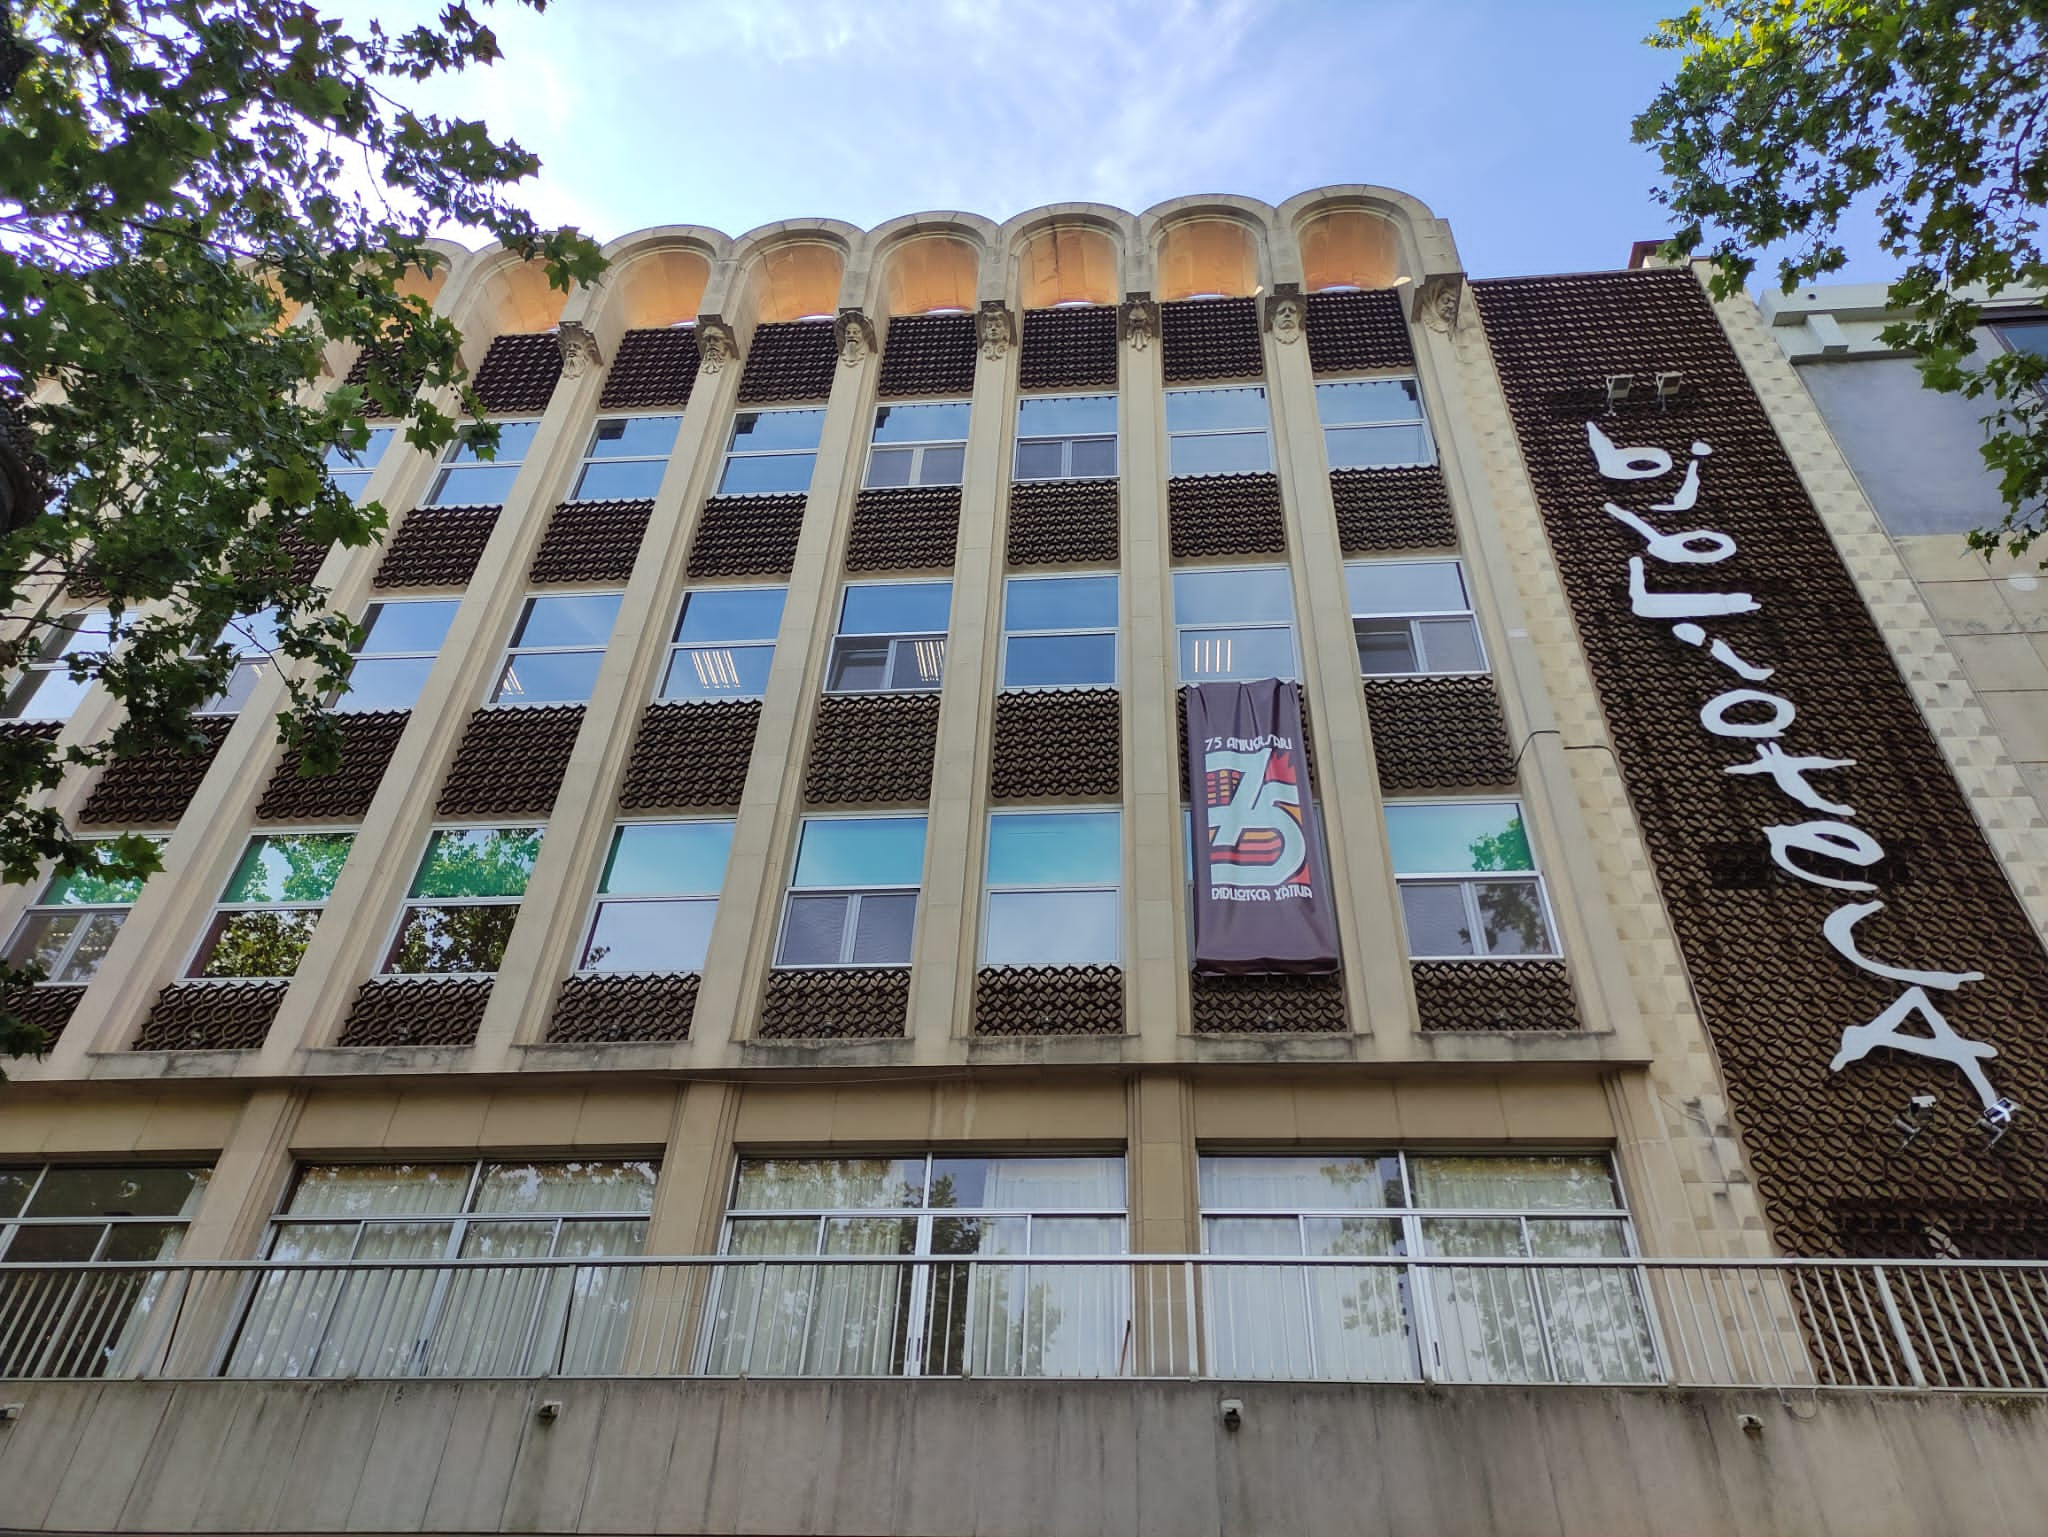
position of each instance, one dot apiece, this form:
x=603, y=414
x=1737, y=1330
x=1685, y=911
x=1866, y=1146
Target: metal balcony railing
x=1893, y=1324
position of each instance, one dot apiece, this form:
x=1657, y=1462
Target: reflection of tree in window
x=1509, y=907
x=496, y=865
x=455, y=939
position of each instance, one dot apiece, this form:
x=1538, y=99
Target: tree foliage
x=1787, y=117
x=196, y=197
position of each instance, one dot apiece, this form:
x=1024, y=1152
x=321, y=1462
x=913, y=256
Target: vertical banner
x=1262, y=898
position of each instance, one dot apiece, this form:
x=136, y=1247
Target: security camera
x=1232, y=1410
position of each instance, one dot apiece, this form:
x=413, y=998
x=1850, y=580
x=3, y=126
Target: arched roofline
x=732, y=274
x=865, y=274
x=1274, y=262
x=1120, y=225
x=597, y=307
x=1424, y=236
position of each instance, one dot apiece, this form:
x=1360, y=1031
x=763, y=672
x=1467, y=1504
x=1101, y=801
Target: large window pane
x=389, y=627
x=1309, y=1182
x=814, y=931
x=1042, y=461
x=1360, y=448
x=1229, y=453
x=453, y=939
x=619, y=480
x=1450, y=645
x=650, y=936
x=942, y=423
x=88, y=888
x=896, y=608
x=257, y=944
x=1386, y=648
x=667, y=858
x=1066, y=416
x=478, y=862
x=856, y=852
x=1524, y=1182
x=474, y=485
x=635, y=437
x=579, y=619
x=1205, y=410
x=1208, y=655
x=1436, y=919
x=1057, y=848
x=882, y=929
x=918, y=664
x=1369, y=400
x=1233, y=596
x=385, y=683
x=718, y=672
x=1054, y=928
x=124, y=1192
x=1512, y=918
x=1091, y=458
x=738, y=613
x=514, y=439
x=548, y=677
x=1060, y=661
x=1406, y=587
x=765, y=474
x=1458, y=838
x=765, y=431
x=290, y=867
x=1060, y=603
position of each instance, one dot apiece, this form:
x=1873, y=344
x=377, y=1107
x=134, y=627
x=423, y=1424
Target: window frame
x=353, y=478
x=251, y=659
x=1467, y=880
x=406, y=903
x=41, y=664
x=849, y=929
x=340, y=704
x=675, y=646
x=1292, y=625
x=1412, y=617
x=1114, y=632
x=591, y=457
x=917, y=447
x=1421, y=421
x=730, y=453
x=991, y=889
x=1114, y=437
x=1172, y=435
x=511, y=650
x=895, y=639
x=451, y=462
x=87, y=911
x=599, y=899
x=203, y=948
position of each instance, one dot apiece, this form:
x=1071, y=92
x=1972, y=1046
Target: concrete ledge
x=1013, y=1459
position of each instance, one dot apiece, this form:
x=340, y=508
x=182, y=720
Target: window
x=1234, y=624
x=509, y=1319
x=892, y=638
x=464, y=900
x=467, y=480
x=947, y=1308
x=400, y=642
x=1217, y=431
x=725, y=643
x=1059, y=632
x=1468, y=880
x=557, y=649
x=2028, y=333
x=1550, y=1322
x=1066, y=437
x=350, y=469
x=84, y=1323
x=1412, y=616
x=1054, y=889
x=271, y=906
x=924, y=445
x=73, y=923
x=253, y=639
x=1369, y=422
x=853, y=899
x=46, y=689
x=626, y=458
x=771, y=452
x=657, y=897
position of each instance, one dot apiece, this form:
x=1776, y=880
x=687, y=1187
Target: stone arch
x=1210, y=245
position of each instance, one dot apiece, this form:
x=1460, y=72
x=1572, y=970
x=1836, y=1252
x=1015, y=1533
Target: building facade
x=740, y=989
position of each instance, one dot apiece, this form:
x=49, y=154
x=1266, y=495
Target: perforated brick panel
x=1438, y=733
x=519, y=373
x=1068, y=349
x=48, y=1009
x=1394, y=509
x=367, y=742
x=904, y=528
x=789, y=362
x=872, y=748
x=1064, y=522
x=1358, y=331
x=359, y=373
x=652, y=369
x=417, y=1011
x=591, y=542
x=1062, y=744
x=1774, y=995
x=511, y=761
x=928, y=355
x=1225, y=515
x=862, y=1003
x=152, y=789
x=211, y=1016
x=1494, y=995
x=1210, y=339
x=1272, y=1005
x=1049, y=1000
x=691, y=754
x=625, y=1006
x=437, y=547
x=747, y=536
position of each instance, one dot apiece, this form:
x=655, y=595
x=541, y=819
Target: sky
x=1509, y=118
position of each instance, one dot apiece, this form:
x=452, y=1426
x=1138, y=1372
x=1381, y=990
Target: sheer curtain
x=808, y=1318
x=1031, y=1319
x=1337, y=1323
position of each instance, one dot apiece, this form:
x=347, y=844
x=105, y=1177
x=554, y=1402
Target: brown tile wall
x=591, y=542
x=1349, y=332
x=153, y=788
x=652, y=369
x=1063, y=744
x=367, y=742
x=416, y=1011
x=519, y=373
x=437, y=547
x=1494, y=995
x=791, y=361
x=1210, y=339
x=747, y=536
x=1268, y=1005
x=1049, y=1000
x=511, y=761
x=691, y=754
x=904, y=528
x=1068, y=349
x=862, y=1002
x=49, y=1009
x=872, y=749
x=1393, y=509
x=1064, y=522
x=928, y=355
x=1438, y=734
x=211, y=1016
x=625, y=1006
x=1225, y=515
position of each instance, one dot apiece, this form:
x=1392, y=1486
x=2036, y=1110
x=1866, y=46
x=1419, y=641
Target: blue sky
x=1510, y=118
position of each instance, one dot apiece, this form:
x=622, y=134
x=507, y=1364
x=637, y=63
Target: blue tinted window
x=401, y=627
x=1060, y=603
x=745, y=613
x=766, y=474
x=1215, y=410
x=756, y=432
x=1060, y=661
x=667, y=859
x=861, y=852
x=896, y=608
x=1066, y=416
x=1368, y=400
x=921, y=424
x=581, y=619
x=1232, y=597
x=1457, y=839
x=634, y=437
x=1054, y=848
x=514, y=439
